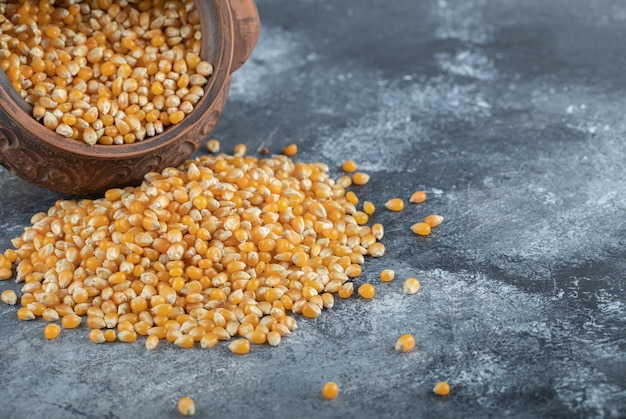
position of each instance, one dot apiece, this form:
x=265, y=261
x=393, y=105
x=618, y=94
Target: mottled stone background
x=510, y=115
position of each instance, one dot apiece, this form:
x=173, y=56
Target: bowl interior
x=217, y=48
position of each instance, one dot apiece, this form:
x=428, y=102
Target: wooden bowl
x=230, y=30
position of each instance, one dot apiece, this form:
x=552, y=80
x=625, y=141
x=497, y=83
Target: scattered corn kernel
x=395, y=204
x=97, y=336
x=349, y=166
x=291, y=150
x=186, y=406
x=71, y=321
x=368, y=207
x=360, y=178
x=433, y=220
x=405, y=343
x=213, y=146
x=330, y=390
x=25, y=314
x=239, y=346
x=421, y=229
x=9, y=297
x=387, y=275
x=418, y=197
x=411, y=286
x=367, y=291
x=52, y=331
x=441, y=389
x=152, y=342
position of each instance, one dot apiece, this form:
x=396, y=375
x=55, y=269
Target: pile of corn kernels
x=225, y=246
x=104, y=71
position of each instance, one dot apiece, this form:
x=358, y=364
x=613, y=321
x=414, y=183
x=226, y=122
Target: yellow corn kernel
x=291, y=150
x=441, y=389
x=352, y=198
x=421, y=229
x=209, y=340
x=418, y=197
x=349, y=166
x=127, y=336
x=239, y=346
x=110, y=335
x=367, y=291
x=376, y=250
x=368, y=207
x=152, y=342
x=186, y=406
x=433, y=220
x=184, y=341
x=71, y=321
x=9, y=297
x=25, y=314
x=411, y=286
x=239, y=150
x=330, y=390
x=346, y=290
x=52, y=331
x=387, y=275
x=97, y=336
x=360, y=178
x=213, y=146
x=405, y=343
x=395, y=204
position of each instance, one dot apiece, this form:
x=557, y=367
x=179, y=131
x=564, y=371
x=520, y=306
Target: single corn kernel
x=71, y=321
x=290, y=150
x=349, y=166
x=418, y=197
x=421, y=229
x=152, y=342
x=25, y=314
x=367, y=291
x=433, y=220
x=405, y=343
x=209, y=340
x=368, y=207
x=441, y=389
x=186, y=406
x=387, y=275
x=9, y=297
x=274, y=338
x=346, y=290
x=97, y=336
x=330, y=390
x=411, y=286
x=127, y=336
x=52, y=331
x=360, y=178
x=352, y=198
x=240, y=346
x=240, y=150
x=213, y=146
x=395, y=204
x=109, y=335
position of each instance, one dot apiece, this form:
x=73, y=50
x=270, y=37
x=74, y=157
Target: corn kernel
x=411, y=286
x=52, y=331
x=441, y=389
x=330, y=390
x=186, y=406
x=395, y=204
x=418, y=197
x=360, y=178
x=387, y=275
x=405, y=343
x=349, y=166
x=421, y=229
x=433, y=220
x=367, y=291
x=9, y=297
x=239, y=346
x=291, y=150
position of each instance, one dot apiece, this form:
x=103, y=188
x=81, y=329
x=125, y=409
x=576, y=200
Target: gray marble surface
x=510, y=115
